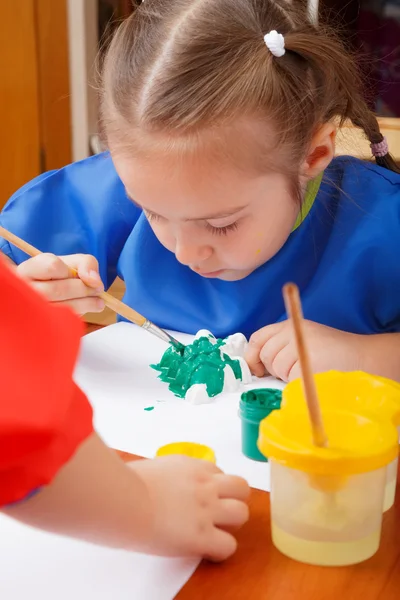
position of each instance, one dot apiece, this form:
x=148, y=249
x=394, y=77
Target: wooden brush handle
x=122, y=309
x=116, y=305
x=18, y=243
x=295, y=313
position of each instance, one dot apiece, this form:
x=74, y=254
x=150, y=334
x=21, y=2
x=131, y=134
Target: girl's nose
x=189, y=253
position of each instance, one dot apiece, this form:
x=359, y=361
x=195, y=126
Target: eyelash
x=213, y=230
x=222, y=230
x=152, y=217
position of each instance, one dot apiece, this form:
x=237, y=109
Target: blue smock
x=345, y=256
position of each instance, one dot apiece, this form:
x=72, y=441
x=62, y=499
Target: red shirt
x=44, y=416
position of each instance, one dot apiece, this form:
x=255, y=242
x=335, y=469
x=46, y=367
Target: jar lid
x=258, y=403
x=190, y=449
x=356, y=391
x=357, y=443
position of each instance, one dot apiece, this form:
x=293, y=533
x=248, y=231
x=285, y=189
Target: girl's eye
x=151, y=217
x=222, y=230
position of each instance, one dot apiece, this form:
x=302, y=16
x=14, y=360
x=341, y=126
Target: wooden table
x=259, y=572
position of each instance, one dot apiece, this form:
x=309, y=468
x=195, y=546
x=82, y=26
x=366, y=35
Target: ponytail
x=339, y=84
x=368, y=122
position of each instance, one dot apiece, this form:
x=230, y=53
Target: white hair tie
x=275, y=43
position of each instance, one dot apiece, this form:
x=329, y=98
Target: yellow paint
x=188, y=449
x=325, y=553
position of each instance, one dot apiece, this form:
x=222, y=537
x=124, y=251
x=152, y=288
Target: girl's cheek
x=238, y=250
x=164, y=236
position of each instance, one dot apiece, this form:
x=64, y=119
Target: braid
x=338, y=87
x=367, y=121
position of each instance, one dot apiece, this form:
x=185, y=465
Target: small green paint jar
x=256, y=405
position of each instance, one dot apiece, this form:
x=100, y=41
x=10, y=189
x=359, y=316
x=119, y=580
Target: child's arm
x=80, y=488
x=174, y=507
x=381, y=355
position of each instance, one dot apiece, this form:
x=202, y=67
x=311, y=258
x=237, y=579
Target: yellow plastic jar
x=358, y=392
x=190, y=449
x=326, y=503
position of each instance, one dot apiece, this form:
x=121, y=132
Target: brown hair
x=177, y=67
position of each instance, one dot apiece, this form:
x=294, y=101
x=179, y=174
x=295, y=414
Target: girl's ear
x=322, y=151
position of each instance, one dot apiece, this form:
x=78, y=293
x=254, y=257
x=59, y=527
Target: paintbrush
x=294, y=311
x=113, y=303
x=328, y=485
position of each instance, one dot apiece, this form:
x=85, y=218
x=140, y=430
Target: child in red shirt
x=55, y=472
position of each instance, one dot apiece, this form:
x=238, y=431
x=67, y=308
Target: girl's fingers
x=220, y=545
x=256, y=343
x=231, y=513
x=252, y=356
x=285, y=361
x=86, y=305
x=271, y=349
x=294, y=372
x=48, y=267
x=87, y=267
x=64, y=289
x=43, y=267
x=256, y=365
x=230, y=486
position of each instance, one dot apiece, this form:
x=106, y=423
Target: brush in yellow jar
x=358, y=392
x=328, y=471
x=326, y=502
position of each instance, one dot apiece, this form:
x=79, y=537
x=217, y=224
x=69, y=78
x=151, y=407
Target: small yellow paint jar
x=190, y=449
x=359, y=392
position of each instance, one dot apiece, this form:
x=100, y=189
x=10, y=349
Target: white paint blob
x=231, y=384
x=235, y=345
x=197, y=394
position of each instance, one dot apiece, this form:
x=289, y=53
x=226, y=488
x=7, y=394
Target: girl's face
x=219, y=220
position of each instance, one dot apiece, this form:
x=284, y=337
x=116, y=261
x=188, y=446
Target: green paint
x=149, y=408
x=254, y=406
x=201, y=362
x=262, y=399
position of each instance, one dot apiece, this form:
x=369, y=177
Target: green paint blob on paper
x=149, y=408
x=202, y=362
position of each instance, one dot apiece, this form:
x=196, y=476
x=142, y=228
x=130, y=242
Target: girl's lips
x=211, y=273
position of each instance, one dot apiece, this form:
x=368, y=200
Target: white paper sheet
x=39, y=566
x=114, y=372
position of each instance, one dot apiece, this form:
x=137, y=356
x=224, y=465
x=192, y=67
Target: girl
x=56, y=474
x=221, y=185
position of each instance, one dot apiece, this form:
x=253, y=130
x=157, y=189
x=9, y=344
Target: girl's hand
x=272, y=350
x=50, y=275
x=191, y=505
